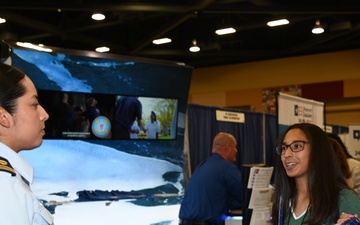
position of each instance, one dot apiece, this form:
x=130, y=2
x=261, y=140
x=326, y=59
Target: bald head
x=224, y=144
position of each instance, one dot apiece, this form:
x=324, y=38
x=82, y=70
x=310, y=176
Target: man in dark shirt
x=127, y=110
x=65, y=116
x=214, y=186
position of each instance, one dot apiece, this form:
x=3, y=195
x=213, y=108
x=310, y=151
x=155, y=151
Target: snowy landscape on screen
x=69, y=166
x=64, y=168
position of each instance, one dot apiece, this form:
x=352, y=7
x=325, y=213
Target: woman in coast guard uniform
x=22, y=123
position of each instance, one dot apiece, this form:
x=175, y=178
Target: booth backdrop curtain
x=255, y=137
x=270, y=139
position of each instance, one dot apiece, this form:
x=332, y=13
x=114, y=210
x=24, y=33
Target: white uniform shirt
x=18, y=205
x=135, y=129
x=152, y=129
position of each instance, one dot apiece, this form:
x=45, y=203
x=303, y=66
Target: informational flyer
x=261, y=216
x=260, y=177
x=260, y=197
x=261, y=194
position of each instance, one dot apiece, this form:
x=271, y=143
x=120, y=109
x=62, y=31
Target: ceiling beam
x=353, y=33
x=290, y=8
x=160, y=32
x=166, y=28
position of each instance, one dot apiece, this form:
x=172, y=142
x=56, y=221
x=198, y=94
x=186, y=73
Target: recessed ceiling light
x=194, y=49
x=229, y=30
x=98, y=16
x=102, y=49
x=275, y=23
x=161, y=41
x=2, y=20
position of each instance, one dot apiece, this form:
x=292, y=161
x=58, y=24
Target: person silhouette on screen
x=152, y=128
x=127, y=110
x=135, y=129
x=65, y=116
x=91, y=112
x=22, y=124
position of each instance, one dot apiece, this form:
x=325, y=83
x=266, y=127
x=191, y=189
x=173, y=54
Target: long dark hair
x=10, y=87
x=338, y=139
x=325, y=180
x=341, y=157
x=153, y=113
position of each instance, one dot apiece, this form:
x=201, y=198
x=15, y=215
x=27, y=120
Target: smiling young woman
x=309, y=185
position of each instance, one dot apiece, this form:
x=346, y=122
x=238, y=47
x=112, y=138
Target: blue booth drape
x=256, y=139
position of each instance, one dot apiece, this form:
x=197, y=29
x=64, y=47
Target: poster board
x=353, y=140
x=292, y=109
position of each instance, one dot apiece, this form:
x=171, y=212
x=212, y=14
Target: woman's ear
x=4, y=118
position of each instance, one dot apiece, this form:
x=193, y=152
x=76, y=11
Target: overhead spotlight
x=102, y=49
x=275, y=23
x=229, y=30
x=2, y=20
x=318, y=29
x=194, y=47
x=98, y=16
x=161, y=41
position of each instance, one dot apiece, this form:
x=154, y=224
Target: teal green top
x=349, y=202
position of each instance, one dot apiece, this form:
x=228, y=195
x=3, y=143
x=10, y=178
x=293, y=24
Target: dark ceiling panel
x=130, y=27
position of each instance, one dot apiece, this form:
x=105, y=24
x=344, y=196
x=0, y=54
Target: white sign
x=260, y=197
x=293, y=109
x=228, y=116
x=261, y=216
x=353, y=140
x=259, y=177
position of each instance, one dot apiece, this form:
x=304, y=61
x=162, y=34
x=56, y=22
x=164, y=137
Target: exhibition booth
x=87, y=175
x=87, y=168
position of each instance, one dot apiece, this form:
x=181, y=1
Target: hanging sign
x=228, y=116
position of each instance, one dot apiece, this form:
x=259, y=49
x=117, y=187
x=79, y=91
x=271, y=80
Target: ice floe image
x=108, y=182
x=92, y=184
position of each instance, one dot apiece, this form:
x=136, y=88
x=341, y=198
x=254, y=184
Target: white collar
x=294, y=215
x=301, y=215
x=17, y=162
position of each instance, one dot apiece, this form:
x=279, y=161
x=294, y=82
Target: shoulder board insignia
x=6, y=166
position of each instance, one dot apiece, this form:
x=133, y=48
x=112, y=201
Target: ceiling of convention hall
x=130, y=27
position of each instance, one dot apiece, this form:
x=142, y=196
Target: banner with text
x=353, y=140
x=293, y=109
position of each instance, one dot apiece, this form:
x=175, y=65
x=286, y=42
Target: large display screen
x=75, y=115
x=92, y=179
